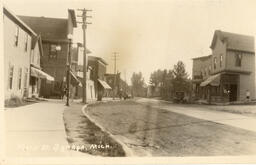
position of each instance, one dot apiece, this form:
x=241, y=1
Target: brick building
x=228, y=73
x=54, y=32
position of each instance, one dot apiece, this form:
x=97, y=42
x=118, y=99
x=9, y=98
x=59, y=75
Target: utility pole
x=84, y=27
x=115, y=73
x=115, y=58
x=125, y=81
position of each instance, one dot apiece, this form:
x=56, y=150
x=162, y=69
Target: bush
x=14, y=101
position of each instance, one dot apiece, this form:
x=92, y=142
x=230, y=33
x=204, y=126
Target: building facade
x=78, y=61
x=17, y=46
x=97, y=74
x=229, y=73
x=54, y=32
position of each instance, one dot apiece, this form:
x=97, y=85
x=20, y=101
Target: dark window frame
x=11, y=73
x=16, y=36
x=26, y=43
x=215, y=63
x=19, y=78
x=221, y=60
x=238, y=61
x=53, y=51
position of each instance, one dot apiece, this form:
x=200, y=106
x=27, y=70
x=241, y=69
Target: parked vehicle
x=179, y=97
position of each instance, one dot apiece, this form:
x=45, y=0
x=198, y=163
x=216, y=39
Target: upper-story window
x=53, y=51
x=215, y=63
x=32, y=56
x=26, y=42
x=221, y=60
x=16, y=36
x=239, y=59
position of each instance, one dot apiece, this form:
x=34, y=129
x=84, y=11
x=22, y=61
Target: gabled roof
x=234, y=41
x=48, y=28
x=18, y=21
x=37, y=39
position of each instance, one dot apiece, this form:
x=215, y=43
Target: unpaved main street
x=159, y=132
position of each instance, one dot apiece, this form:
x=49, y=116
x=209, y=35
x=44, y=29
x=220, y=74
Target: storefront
x=36, y=77
x=220, y=88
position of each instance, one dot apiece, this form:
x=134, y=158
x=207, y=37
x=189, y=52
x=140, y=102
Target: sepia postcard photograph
x=127, y=82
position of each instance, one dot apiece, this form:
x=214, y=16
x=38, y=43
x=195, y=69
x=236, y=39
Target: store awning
x=74, y=80
x=40, y=74
x=212, y=80
x=104, y=84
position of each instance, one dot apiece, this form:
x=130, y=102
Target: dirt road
x=158, y=132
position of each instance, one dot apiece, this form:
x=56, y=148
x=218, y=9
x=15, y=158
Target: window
x=238, y=59
x=26, y=42
x=221, y=59
x=16, y=36
x=53, y=51
x=32, y=56
x=25, y=77
x=19, y=78
x=215, y=63
x=10, y=76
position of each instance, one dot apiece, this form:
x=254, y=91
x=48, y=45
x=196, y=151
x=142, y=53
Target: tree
x=156, y=79
x=162, y=79
x=137, y=84
x=180, y=81
x=167, y=84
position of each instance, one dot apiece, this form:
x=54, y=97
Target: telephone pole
x=115, y=58
x=115, y=73
x=84, y=27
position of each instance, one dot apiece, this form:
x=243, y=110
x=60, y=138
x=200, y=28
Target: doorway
x=233, y=92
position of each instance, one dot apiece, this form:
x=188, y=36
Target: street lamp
x=58, y=47
x=70, y=36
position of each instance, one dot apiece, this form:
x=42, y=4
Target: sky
x=149, y=34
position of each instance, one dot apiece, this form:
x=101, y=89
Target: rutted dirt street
x=158, y=132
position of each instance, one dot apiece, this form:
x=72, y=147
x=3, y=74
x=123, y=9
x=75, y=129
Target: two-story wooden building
x=98, y=71
x=22, y=52
x=231, y=69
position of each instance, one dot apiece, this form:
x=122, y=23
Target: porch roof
x=104, y=84
x=40, y=74
x=212, y=80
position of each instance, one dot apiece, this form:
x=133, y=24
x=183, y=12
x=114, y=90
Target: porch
x=219, y=88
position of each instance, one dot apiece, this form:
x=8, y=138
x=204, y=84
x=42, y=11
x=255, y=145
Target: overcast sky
x=149, y=34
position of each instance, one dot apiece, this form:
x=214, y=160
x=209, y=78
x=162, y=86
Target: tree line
x=164, y=83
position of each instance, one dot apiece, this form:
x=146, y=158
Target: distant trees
x=138, y=84
x=165, y=83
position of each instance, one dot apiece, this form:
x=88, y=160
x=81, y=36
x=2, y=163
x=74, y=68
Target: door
x=233, y=92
